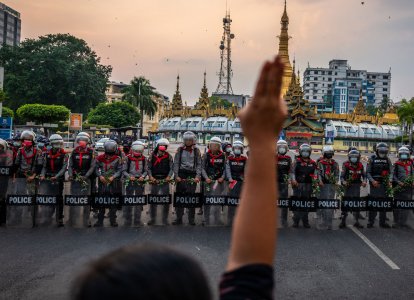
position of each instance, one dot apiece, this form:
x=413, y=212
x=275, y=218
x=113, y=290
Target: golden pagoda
x=284, y=51
x=303, y=122
x=177, y=102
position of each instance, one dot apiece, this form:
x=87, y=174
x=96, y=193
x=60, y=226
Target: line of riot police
x=217, y=175
x=390, y=185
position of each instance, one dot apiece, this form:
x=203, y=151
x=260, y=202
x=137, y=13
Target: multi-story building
x=114, y=91
x=338, y=87
x=10, y=29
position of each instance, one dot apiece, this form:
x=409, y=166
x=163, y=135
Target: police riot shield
x=303, y=202
x=77, y=203
x=159, y=202
x=234, y=192
x=187, y=198
x=20, y=203
x=49, y=206
x=327, y=203
x=106, y=202
x=403, y=203
x=354, y=199
x=214, y=201
x=133, y=202
x=285, y=192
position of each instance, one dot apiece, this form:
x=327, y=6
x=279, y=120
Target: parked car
x=99, y=146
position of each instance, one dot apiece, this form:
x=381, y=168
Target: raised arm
x=255, y=226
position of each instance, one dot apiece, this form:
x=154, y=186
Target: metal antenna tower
x=226, y=73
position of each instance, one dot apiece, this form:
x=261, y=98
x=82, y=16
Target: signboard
x=75, y=121
x=282, y=135
x=6, y=127
x=329, y=137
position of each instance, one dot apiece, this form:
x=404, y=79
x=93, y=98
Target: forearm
x=255, y=226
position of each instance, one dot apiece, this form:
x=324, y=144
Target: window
x=384, y=89
x=314, y=97
x=385, y=77
x=385, y=83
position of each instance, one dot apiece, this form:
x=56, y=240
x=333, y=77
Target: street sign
x=75, y=121
x=6, y=127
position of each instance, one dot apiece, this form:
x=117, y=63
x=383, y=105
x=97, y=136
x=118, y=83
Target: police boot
x=151, y=222
x=177, y=221
x=358, y=225
x=385, y=225
x=98, y=223
x=114, y=223
x=60, y=223
x=342, y=225
x=370, y=225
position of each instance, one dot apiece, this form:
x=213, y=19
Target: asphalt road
x=376, y=263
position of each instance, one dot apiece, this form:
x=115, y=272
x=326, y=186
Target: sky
x=160, y=38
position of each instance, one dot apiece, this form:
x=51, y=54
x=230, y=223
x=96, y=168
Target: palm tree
x=139, y=93
x=406, y=114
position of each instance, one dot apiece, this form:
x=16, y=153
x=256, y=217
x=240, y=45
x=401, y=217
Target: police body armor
x=215, y=165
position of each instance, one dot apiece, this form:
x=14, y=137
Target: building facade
x=10, y=30
x=114, y=91
x=338, y=87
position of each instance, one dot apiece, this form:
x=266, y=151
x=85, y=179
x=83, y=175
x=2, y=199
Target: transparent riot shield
x=285, y=192
x=20, y=203
x=354, y=200
x=234, y=193
x=159, y=200
x=187, y=198
x=327, y=203
x=303, y=201
x=49, y=206
x=4, y=183
x=214, y=200
x=106, y=202
x=77, y=203
x=134, y=201
x=403, y=204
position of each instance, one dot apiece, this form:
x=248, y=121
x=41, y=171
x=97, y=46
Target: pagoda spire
x=203, y=101
x=284, y=50
x=177, y=102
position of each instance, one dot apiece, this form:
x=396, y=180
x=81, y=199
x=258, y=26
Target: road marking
x=374, y=248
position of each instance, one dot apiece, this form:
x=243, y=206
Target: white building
x=337, y=88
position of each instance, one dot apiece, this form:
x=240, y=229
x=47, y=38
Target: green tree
x=42, y=113
x=139, y=93
x=216, y=102
x=7, y=112
x=406, y=115
x=117, y=114
x=54, y=69
x=372, y=110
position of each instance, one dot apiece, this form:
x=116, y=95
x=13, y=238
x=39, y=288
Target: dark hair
x=143, y=272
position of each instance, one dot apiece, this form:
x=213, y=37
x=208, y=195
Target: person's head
x=145, y=273
x=354, y=156
x=328, y=151
x=16, y=141
x=137, y=148
x=238, y=148
x=56, y=141
x=189, y=139
x=305, y=151
x=381, y=150
x=83, y=139
x=403, y=153
x=227, y=147
x=3, y=145
x=110, y=147
x=215, y=144
x=282, y=147
x=27, y=137
x=162, y=145
x=352, y=148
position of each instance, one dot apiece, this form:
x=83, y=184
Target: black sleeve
x=251, y=282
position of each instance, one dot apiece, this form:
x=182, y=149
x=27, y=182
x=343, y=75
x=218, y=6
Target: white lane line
x=374, y=248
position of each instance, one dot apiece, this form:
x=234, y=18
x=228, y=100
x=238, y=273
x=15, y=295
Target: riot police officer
x=304, y=170
x=54, y=167
x=134, y=173
x=6, y=160
x=235, y=168
x=214, y=167
x=187, y=172
x=378, y=173
x=403, y=173
x=284, y=166
x=328, y=172
x=108, y=169
x=81, y=173
x=353, y=176
x=160, y=172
